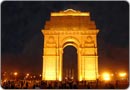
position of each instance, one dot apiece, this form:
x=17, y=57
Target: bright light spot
x=72, y=77
x=122, y=74
x=15, y=73
x=80, y=79
x=5, y=80
x=59, y=79
x=106, y=76
x=40, y=75
x=34, y=76
x=27, y=74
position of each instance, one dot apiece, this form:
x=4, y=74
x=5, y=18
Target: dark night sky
x=22, y=40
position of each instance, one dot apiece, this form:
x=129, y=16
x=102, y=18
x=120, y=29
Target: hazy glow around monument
x=73, y=28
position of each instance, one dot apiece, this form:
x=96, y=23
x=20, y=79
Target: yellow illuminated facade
x=70, y=27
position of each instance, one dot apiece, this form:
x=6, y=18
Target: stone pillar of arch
x=74, y=28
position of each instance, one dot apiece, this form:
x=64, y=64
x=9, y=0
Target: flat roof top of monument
x=70, y=12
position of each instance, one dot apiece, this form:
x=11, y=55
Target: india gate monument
x=70, y=28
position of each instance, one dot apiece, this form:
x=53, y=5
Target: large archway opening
x=70, y=63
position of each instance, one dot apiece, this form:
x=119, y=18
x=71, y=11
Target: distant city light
x=34, y=76
x=27, y=74
x=40, y=75
x=72, y=77
x=106, y=76
x=5, y=80
x=122, y=74
x=15, y=73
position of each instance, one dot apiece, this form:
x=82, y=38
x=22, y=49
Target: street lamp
x=122, y=74
x=15, y=74
x=27, y=74
x=106, y=76
x=40, y=75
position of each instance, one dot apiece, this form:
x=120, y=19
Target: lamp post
x=106, y=76
x=27, y=75
x=40, y=76
x=15, y=74
x=122, y=75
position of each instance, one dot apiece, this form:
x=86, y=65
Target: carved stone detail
x=50, y=40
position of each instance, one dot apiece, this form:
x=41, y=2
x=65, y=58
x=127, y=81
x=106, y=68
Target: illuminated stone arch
x=74, y=28
x=70, y=41
x=70, y=72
